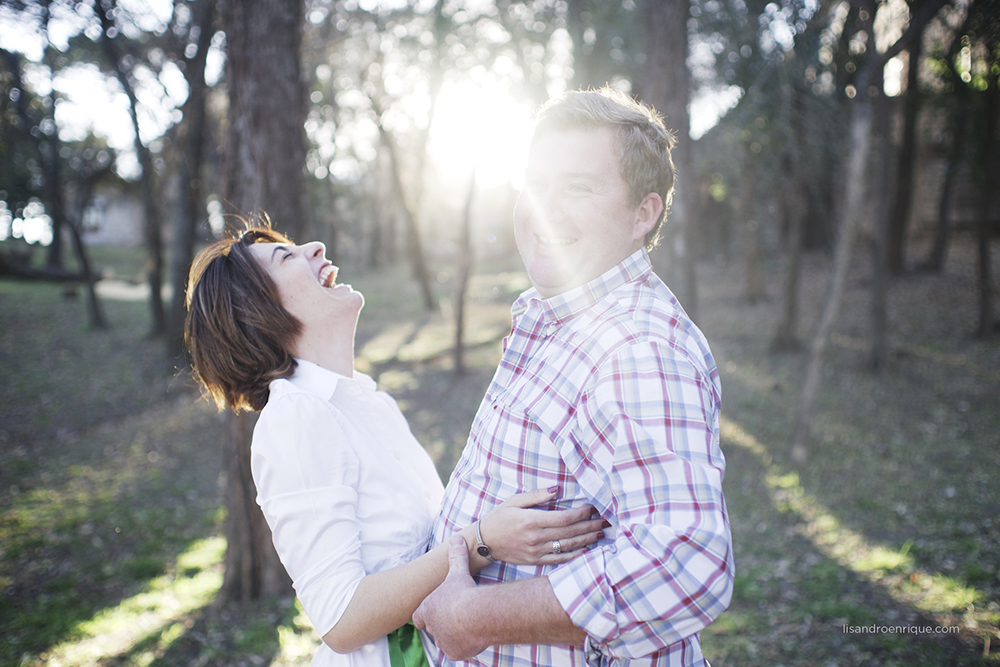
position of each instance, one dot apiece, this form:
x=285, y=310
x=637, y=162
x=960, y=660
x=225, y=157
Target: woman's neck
x=333, y=351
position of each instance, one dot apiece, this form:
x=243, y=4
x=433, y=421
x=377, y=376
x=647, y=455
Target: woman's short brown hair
x=237, y=332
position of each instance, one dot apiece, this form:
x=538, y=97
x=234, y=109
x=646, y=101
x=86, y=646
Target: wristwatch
x=482, y=549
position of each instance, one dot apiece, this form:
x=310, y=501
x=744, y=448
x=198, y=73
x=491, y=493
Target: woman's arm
x=386, y=600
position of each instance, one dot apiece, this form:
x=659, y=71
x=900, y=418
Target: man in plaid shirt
x=607, y=391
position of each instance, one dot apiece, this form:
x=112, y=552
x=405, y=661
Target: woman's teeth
x=327, y=275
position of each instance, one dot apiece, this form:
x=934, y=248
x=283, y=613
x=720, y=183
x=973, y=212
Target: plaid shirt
x=610, y=392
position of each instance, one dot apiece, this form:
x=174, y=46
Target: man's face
x=572, y=221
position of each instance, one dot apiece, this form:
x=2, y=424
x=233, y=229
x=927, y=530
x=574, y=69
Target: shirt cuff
x=325, y=605
x=585, y=594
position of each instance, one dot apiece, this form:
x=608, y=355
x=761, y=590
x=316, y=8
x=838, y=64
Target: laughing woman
x=347, y=491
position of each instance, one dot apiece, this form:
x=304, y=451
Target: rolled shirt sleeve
x=644, y=445
x=307, y=478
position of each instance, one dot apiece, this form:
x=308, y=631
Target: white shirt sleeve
x=307, y=478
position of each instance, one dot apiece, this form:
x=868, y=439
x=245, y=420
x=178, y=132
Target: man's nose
x=544, y=203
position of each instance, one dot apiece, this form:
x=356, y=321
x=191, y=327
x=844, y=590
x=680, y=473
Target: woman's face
x=306, y=282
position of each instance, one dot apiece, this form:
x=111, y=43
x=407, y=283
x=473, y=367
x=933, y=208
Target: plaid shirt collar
x=565, y=306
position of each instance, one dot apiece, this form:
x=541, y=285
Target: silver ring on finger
x=556, y=547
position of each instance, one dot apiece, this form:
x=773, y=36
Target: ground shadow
x=795, y=605
x=104, y=518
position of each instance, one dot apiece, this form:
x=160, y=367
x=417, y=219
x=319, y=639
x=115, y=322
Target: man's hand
x=442, y=612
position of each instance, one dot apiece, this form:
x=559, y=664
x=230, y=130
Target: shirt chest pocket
x=507, y=448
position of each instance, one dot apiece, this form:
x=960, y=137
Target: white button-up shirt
x=346, y=490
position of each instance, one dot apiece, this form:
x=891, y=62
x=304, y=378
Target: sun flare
x=480, y=127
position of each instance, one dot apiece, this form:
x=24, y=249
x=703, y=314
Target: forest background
x=831, y=234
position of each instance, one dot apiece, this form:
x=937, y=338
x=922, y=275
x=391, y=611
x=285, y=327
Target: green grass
x=110, y=504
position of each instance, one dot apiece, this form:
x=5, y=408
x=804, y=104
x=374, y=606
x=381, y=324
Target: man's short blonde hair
x=642, y=142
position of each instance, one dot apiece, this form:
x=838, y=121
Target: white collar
x=322, y=382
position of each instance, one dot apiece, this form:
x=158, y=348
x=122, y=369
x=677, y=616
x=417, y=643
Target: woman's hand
x=523, y=536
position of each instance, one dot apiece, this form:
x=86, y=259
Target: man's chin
x=549, y=285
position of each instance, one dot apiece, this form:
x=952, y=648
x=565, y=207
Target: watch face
x=484, y=551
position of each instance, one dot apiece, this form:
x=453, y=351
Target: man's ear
x=647, y=214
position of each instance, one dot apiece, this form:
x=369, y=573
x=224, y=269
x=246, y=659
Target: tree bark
x=252, y=569
x=193, y=208
x=882, y=237
x=151, y=212
x=753, y=287
x=57, y=212
x=939, y=248
x=464, y=272
x=265, y=145
x=666, y=85
x=265, y=159
x=984, y=280
x=414, y=247
x=905, y=168
x=959, y=116
x=785, y=337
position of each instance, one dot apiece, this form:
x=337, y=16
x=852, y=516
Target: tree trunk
x=193, y=208
x=265, y=159
x=785, y=337
x=666, y=85
x=151, y=212
x=95, y=315
x=939, y=248
x=861, y=123
x=959, y=122
x=984, y=280
x=414, y=247
x=74, y=223
x=464, y=271
x=252, y=569
x=754, y=291
x=753, y=282
x=59, y=222
x=882, y=234
x=265, y=145
x=905, y=169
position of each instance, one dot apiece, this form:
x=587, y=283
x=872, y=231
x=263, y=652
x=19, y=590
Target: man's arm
x=644, y=447
x=464, y=618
